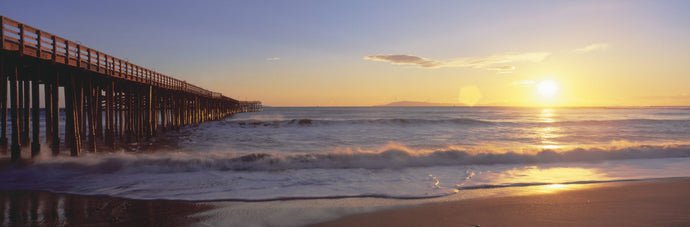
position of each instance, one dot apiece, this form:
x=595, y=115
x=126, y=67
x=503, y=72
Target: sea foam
x=388, y=157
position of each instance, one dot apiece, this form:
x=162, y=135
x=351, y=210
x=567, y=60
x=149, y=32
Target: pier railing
x=34, y=42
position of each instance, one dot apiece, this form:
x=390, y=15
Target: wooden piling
x=55, y=113
x=35, y=144
x=91, y=112
x=25, y=110
x=109, y=116
x=98, y=109
x=72, y=92
x=47, y=111
x=149, y=113
x=3, y=101
x=79, y=104
x=121, y=115
x=20, y=105
x=14, y=110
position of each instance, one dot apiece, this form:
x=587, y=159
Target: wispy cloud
x=503, y=68
x=402, y=59
x=493, y=62
x=592, y=48
x=273, y=59
x=500, y=59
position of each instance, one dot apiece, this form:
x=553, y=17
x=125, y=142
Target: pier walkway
x=107, y=100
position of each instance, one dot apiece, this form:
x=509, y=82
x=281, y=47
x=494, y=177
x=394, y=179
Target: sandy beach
x=646, y=203
x=642, y=203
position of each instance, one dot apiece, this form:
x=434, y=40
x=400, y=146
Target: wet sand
x=34, y=208
x=644, y=203
x=647, y=203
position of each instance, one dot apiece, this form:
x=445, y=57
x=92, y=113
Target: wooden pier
x=107, y=100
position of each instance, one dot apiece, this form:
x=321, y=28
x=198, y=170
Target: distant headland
x=418, y=104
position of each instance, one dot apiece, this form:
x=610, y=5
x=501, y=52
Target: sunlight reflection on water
x=547, y=134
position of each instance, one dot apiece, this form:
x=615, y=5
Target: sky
x=364, y=53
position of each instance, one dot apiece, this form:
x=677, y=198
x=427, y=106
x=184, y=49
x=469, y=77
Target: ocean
x=380, y=152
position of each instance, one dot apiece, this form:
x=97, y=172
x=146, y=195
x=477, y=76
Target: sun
x=547, y=88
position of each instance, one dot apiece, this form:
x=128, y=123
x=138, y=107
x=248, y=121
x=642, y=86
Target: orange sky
x=599, y=54
x=363, y=53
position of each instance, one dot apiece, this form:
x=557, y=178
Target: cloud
x=401, y=59
x=503, y=68
x=592, y=48
x=273, y=59
x=500, y=59
x=489, y=62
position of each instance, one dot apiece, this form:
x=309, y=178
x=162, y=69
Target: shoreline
x=645, y=202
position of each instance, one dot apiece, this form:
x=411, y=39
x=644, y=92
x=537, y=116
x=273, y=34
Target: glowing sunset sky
x=361, y=53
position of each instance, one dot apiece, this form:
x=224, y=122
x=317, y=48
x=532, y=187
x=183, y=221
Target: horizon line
x=505, y=106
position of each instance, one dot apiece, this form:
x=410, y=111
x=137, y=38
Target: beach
x=645, y=203
x=664, y=202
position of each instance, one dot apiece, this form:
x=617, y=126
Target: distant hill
x=412, y=103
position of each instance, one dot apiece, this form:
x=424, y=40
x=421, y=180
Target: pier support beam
x=80, y=113
x=98, y=108
x=27, y=117
x=71, y=108
x=129, y=115
x=55, y=112
x=91, y=112
x=109, y=117
x=35, y=144
x=121, y=115
x=47, y=111
x=14, y=111
x=149, y=113
x=3, y=102
x=20, y=105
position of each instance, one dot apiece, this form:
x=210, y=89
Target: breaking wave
x=388, y=158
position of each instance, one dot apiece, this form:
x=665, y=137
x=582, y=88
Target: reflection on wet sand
x=549, y=175
x=32, y=208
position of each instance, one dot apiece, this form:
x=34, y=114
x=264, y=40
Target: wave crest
x=388, y=158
